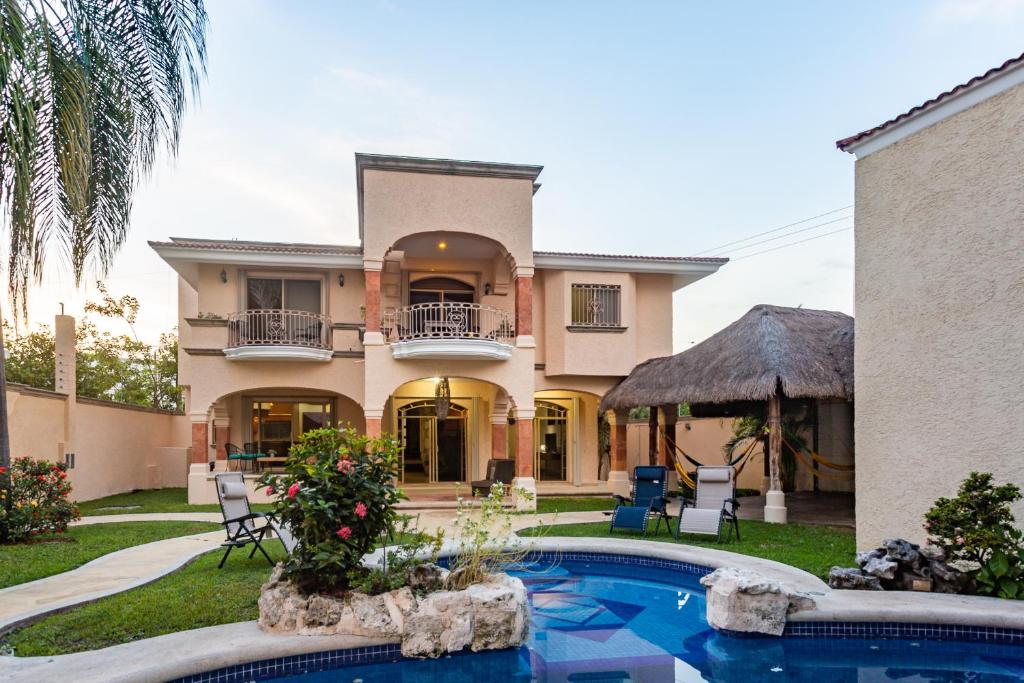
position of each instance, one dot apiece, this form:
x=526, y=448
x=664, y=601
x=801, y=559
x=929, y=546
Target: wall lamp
x=341, y=279
x=223, y=275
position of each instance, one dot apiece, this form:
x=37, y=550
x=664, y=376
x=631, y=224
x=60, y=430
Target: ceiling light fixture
x=442, y=245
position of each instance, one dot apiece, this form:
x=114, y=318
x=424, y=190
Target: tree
x=91, y=92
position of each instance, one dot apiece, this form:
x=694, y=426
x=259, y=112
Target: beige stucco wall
x=116, y=448
x=940, y=314
x=397, y=204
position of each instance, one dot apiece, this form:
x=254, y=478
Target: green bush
x=34, y=500
x=976, y=523
x=338, y=495
x=1002, y=576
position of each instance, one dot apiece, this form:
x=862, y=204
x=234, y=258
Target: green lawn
x=198, y=595
x=574, y=503
x=51, y=555
x=154, y=500
x=812, y=548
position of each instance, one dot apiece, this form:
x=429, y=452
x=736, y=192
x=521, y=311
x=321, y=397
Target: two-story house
x=443, y=327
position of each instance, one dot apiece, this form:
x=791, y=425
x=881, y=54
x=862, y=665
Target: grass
x=574, y=503
x=154, y=500
x=198, y=595
x=814, y=549
x=51, y=555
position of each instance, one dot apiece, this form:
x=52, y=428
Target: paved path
x=138, y=565
x=113, y=573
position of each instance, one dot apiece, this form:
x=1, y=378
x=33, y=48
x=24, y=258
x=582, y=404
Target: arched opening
x=433, y=450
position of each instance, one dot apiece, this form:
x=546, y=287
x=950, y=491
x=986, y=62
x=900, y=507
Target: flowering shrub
x=977, y=522
x=338, y=495
x=34, y=500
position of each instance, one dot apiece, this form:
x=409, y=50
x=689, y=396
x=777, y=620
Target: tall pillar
x=524, y=481
x=524, y=308
x=200, y=441
x=371, y=273
x=499, y=437
x=618, y=478
x=221, y=433
x=775, y=499
x=374, y=419
x=652, y=435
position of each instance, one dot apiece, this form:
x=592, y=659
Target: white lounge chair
x=243, y=526
x=714, y=503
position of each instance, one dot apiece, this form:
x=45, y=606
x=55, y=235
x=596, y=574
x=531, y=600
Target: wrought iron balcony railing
x=450, y=320
x=279, y=327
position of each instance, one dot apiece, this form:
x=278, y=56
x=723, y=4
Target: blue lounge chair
x=649, y=497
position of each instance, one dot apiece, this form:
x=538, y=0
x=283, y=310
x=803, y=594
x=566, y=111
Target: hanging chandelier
x=442, y=399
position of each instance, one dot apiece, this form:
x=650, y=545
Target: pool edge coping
x=210, y=649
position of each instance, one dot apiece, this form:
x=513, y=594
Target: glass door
x=432, y=450
x=551, y=442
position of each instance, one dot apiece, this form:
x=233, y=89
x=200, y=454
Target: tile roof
x=977, y=80
x=263, y=247
x=633, y=257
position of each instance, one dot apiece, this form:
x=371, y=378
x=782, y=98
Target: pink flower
x=293, y=489
x=960, y=540
x=345, y=533
x=270, y=490
x=345, y=466
x=360, y=510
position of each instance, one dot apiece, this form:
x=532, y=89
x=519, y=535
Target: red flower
x=293, y=490
x=345, y=533
x=360, y=510
x=3, y=470
x=270, y=490
x=345, y=466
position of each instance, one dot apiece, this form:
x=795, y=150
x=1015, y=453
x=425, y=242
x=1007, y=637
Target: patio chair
x=243, y=526
x=499, y=470
x=649, y=497
x=714, y=504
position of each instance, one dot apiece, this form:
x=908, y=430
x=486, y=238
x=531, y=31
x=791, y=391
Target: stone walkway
x=142, y=564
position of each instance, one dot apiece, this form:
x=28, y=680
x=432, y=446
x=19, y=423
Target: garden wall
x=117, y=448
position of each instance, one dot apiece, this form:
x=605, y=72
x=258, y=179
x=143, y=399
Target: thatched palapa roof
x=809, y=352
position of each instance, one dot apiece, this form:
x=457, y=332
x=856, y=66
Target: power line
x=792, y=244
x=768, y=232
x=789, y=234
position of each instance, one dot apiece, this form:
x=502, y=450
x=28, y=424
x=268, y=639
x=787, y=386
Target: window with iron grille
x=596, y=305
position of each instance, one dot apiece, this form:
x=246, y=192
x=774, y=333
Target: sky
x=665, y=129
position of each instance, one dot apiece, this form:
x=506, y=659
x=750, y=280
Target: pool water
x=602, y=623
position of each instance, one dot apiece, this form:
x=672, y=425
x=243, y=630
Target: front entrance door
x=432, y=450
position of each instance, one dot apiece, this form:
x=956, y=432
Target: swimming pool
x=596, y=620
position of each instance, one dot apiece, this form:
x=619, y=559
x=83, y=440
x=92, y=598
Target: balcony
x=279, y=334
x=449, y=330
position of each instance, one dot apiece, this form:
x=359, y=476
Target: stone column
x=524, y=481
x=499, y=436
x=524, y=308
x=618, y=478
x=374, y=418
x=371, y=273
x=200, y=440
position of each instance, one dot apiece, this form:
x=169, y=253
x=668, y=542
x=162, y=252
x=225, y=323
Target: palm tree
x=92, y=92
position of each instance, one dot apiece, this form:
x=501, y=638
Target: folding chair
x=649, y=496
x=714, y=503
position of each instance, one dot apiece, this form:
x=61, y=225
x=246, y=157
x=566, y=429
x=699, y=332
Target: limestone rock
x=853, y=579
x=901, y=551
x=489, y=615
x=745, y=601
x=932, y=553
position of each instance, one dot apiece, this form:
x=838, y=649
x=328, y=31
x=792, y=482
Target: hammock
x=815, y=456
x=681, y=471
x=841, y=476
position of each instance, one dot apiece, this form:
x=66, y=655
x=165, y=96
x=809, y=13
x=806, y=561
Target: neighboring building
x=939, y=360
x=445, y=290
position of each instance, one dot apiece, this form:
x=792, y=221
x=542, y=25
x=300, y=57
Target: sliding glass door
x=277, y=423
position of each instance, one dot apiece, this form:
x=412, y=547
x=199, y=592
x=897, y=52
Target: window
x=440, y=290
x=596, y=305
x=277, y=424
x=264, y=293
